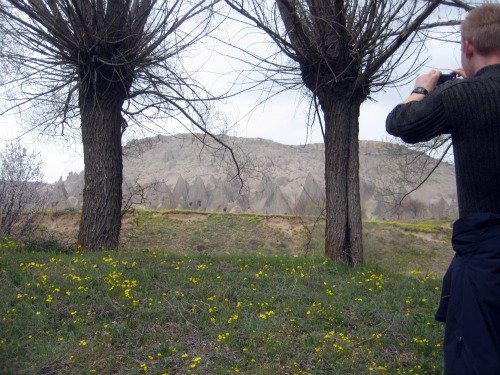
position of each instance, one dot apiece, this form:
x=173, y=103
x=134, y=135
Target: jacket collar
x=489, y=71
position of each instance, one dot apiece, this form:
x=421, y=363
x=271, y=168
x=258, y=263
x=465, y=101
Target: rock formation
x=177, y=172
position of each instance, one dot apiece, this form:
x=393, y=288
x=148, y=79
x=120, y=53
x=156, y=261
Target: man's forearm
x=418, y=121
x=414, y=97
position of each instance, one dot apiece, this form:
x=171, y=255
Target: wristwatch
x=420, y=90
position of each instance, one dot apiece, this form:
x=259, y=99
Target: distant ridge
x=179, y=172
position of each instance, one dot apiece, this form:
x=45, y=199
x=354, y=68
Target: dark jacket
x=470, y=298
x=469, y=110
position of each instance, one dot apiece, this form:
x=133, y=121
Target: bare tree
x=310, y=211
x=20, y=183
x=342, y=51
x=412, y=166
x=101, y=66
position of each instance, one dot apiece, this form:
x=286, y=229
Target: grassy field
x=220, y=294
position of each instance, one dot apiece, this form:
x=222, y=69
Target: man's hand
x=460, y=72
x=428, y=81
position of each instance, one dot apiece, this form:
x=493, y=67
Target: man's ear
x=468, y=49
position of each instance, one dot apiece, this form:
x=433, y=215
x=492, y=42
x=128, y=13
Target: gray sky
x=281, y=119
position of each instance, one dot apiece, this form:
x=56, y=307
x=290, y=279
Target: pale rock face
x=269, y=198
x=312, y=191
x=57, y=196
x=220, y=198
x=197, y=195
x=178, y=172
x=158, y=196
x=180, y=193
x=73, y=202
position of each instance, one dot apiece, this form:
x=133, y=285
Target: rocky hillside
x=180, y=172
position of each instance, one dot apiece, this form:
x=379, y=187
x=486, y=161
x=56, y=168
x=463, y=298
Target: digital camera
x=446, y=77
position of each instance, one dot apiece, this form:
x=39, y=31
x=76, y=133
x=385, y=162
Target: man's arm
x=426, y=81
x=420, y=117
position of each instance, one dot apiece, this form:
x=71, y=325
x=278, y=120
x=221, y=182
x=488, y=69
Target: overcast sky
x=281, y=119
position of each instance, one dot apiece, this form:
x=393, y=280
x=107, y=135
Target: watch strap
x=420, y=90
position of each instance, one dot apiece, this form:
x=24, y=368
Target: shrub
x=20, y=183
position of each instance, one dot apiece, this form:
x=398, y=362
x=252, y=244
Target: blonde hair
x=482, y=28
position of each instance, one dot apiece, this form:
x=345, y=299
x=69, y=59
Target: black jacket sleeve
x=419, y=121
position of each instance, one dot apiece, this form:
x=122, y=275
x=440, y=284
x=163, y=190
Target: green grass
x=222, y=294
x=426, y=226
x=212, y=233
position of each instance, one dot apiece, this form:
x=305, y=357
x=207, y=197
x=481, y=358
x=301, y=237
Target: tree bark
x=102, y=121
x=343, y=233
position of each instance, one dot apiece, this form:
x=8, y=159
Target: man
x=469, y=110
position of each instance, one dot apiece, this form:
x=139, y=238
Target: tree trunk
x=102, y=195
x=343, y=234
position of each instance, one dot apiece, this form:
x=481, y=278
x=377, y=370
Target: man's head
x=481, y=38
